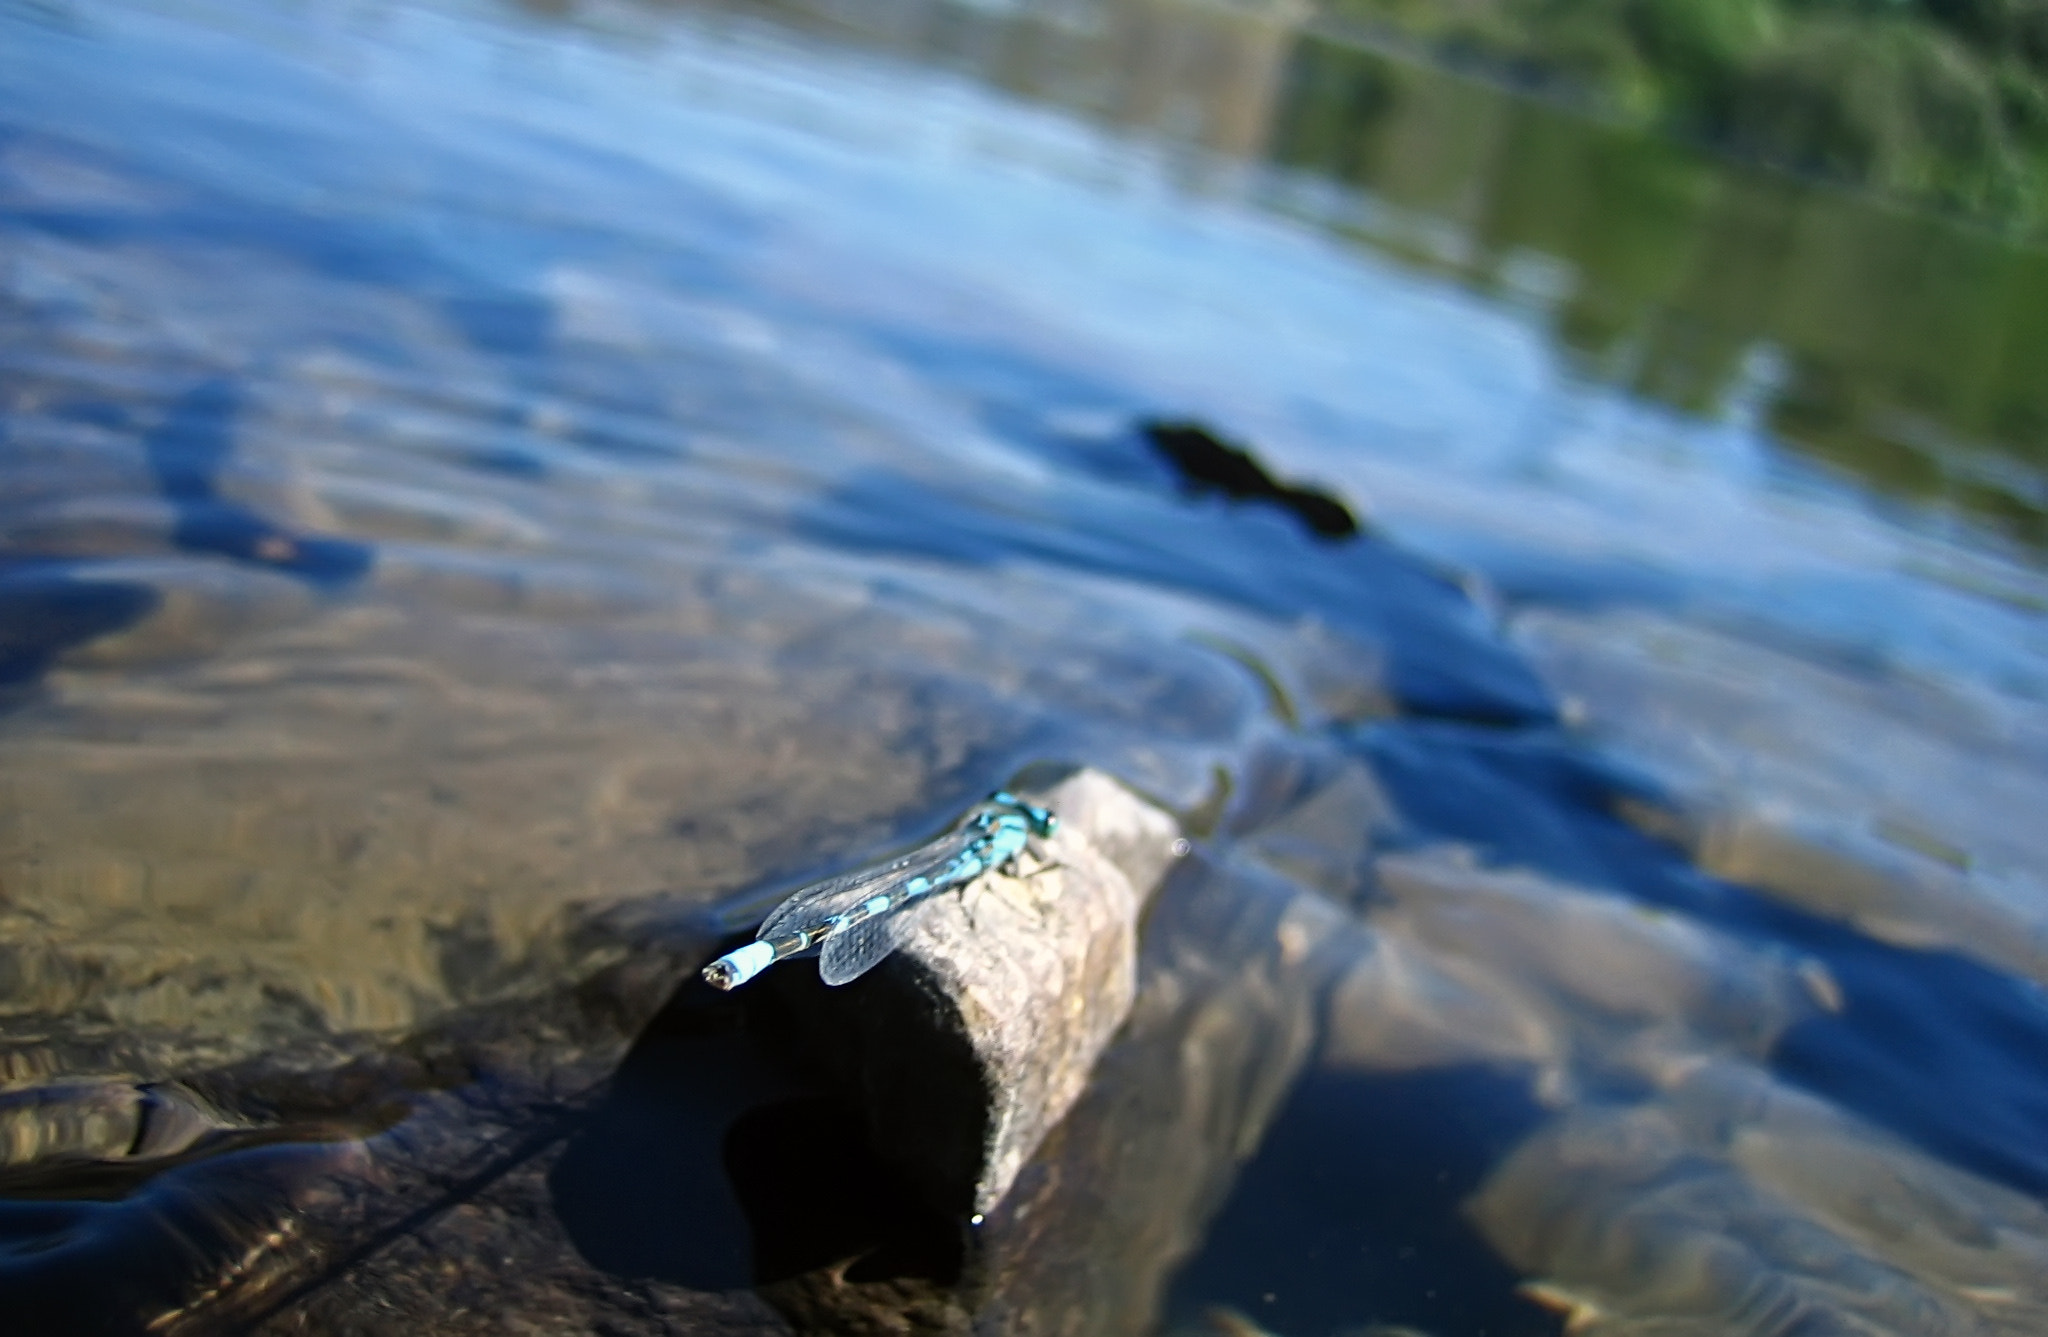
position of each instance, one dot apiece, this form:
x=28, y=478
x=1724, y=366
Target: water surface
x=480, y=488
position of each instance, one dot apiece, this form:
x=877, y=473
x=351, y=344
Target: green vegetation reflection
x=1940, y=101
x=1893, y=344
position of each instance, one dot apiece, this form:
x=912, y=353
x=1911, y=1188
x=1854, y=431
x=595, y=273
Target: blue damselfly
x=854, y=920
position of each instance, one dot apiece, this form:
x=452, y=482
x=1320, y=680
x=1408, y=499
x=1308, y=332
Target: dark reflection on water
x=1936, y=1047
x=1365, y=1177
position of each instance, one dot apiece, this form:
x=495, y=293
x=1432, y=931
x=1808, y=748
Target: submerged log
x=967, y=1045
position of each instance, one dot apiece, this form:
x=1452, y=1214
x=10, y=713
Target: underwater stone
x=967, y=1045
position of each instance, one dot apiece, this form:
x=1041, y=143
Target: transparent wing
x=811, y=906
x=853, y=952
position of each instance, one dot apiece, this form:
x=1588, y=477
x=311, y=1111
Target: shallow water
x=481, y=489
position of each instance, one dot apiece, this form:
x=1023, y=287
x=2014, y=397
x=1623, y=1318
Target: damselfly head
x=1041, y=821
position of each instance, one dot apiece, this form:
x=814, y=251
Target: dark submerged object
x=51, y=605
x=189, y=451
x=54, y=602
x=1208, y=463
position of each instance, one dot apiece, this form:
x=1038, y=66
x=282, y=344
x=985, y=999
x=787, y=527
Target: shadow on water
x=1937, y=1048
x=1363, y=1177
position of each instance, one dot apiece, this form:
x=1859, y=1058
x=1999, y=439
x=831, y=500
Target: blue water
x=478, y=486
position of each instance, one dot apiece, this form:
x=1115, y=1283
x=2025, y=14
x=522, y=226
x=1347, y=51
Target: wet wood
x=973, y=1040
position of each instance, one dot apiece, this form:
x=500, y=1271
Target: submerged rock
x=1733, y=1204
x=1207, y=463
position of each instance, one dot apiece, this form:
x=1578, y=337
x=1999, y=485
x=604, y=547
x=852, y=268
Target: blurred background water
x=480, y=486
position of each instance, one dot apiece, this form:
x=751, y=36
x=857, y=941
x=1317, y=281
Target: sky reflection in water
x=477, y=487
